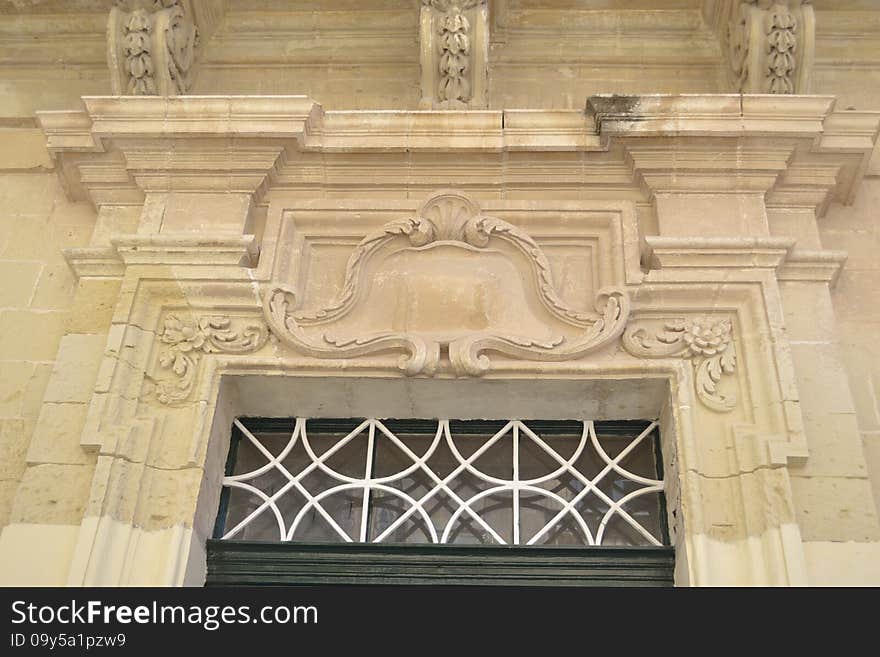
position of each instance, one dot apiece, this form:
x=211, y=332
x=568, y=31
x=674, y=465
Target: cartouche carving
x=447, y=219
x=707, y=341
x=188, y=338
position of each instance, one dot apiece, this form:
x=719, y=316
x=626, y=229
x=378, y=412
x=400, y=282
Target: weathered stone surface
x=835, y=508
x=30, y=335
x=56, y=438
x=52, y=494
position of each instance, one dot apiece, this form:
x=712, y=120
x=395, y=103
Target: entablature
x=797, y=151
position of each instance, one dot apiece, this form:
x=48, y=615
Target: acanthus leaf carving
x=707, y=341
x=187, y=338
x=449, y=220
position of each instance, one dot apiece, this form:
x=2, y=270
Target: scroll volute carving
x=449, y=278
x=151, y=47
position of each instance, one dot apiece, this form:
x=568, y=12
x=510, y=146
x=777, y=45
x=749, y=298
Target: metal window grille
x=510, y=482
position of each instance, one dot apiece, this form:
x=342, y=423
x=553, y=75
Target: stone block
x=809, y=313
x=822, y=381
x=52, y=493
x=36, y=387
x=57, y=435
x=55, y=287
x=19, y=281
x=871, y=443
x=709, y=215
x=16, y=374
x=24, y=148
x=842, y=564
x=93, y=304
x=863, y=367
x=76, y=367
x=855, y=288
x=7, y=495
x=15, y=434
x=36, y=554
x=31, y=194
x=30, y=335
x=834, y=508
x=835, y=446
x=862, y=247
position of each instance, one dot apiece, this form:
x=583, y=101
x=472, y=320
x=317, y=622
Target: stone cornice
x=797, y=150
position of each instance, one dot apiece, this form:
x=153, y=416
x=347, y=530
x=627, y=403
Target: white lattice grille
x=372, y=482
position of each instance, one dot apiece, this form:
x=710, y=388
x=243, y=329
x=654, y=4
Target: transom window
x=466, y=482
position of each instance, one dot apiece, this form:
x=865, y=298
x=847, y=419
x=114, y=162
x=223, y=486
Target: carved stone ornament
x=707, y=341
x=151, y=47
x=454, y=53
x=188, y=338
x=770, y=45
x=447, y=278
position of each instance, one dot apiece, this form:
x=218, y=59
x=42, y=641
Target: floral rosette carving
x=186, y=339
x=707, y=341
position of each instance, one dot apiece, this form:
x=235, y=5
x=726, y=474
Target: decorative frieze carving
x=454, y=53
x=454, y=241
x=706, y=340
x=188, y=338
x=770, y=46
x=151, y=47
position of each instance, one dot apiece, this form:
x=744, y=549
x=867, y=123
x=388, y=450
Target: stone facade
x=455, y=208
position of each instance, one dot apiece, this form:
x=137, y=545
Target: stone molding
x=239, y=143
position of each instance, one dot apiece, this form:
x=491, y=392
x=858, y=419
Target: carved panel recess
x=771, y=46
x=447, y=278
x=151, y=47
x=454, y=37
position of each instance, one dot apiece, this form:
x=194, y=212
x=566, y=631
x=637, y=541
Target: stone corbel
x=454, y=51
x=771, y=46
x=152, y=45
